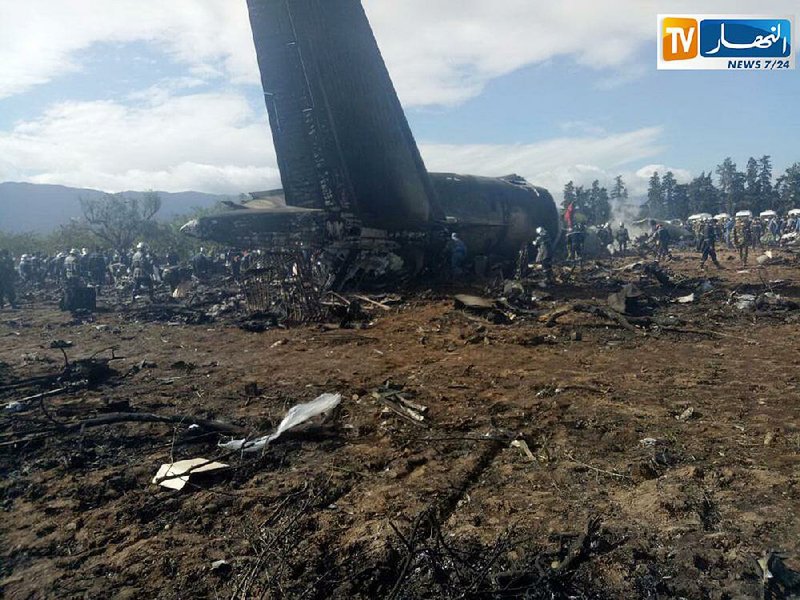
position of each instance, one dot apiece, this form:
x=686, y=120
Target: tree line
x=753, y=189
x=593, y=205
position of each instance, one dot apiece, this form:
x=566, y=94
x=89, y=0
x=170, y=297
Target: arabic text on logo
x=760, y=38
x=744, y=42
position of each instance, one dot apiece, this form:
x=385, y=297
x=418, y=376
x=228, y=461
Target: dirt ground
x=625, y=493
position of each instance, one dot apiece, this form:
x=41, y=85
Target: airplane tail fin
x=340, y=133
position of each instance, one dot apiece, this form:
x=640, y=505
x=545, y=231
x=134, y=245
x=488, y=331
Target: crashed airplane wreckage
x=356, y=194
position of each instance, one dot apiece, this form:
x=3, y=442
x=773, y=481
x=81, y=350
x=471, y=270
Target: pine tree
x=619, y=193
x=787, y=189
x=653, y=207
x=766, y=196
x=738, y=194
x=570, y=197
x=727, y=181
x=752, y=191
x=703, y=196
x=599, y=204
x=668, y=184
x=582, y=203
x=594, y=197
x=680, y=202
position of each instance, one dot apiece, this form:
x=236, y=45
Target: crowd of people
x=140, y=269
x=740, y=233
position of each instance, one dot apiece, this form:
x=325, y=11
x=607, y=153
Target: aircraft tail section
x=340, y=133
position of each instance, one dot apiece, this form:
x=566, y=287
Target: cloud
x=213, y=142
x=40, y=40
x=438, y=52
x=445, y=52
x=219, y=143
x=550, y=163
x=681, y=175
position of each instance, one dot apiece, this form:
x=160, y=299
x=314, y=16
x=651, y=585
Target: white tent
x=721, y=216
x=795, y=212
x=744, y=213
x=767, y=214
x=700, y=217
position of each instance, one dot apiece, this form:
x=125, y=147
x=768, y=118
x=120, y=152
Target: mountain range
x=40, y=208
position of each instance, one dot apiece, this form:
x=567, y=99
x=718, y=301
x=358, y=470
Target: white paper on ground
x=176, y=475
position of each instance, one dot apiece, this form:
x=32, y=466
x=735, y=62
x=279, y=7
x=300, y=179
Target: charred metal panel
x=253, y=228
x=342, y=139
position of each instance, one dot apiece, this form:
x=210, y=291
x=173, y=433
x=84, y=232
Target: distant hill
x=41, y=208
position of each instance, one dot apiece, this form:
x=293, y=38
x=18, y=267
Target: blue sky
x=142, y=94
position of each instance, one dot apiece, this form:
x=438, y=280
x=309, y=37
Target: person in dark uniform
x=743, y=238
x=708, y=244
x=662, y=239
x=173, y=258
x=72, y=268
x=623, y=239
x=201, y=264
x=458, y=254
x=142, y=271
x=98, y=267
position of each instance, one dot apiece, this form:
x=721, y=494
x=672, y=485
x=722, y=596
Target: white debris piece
x=297, y=415
x=176, y=475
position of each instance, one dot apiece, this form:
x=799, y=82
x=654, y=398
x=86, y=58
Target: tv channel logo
x=728, y=42
x=680, y=38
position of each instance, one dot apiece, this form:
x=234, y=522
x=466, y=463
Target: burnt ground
x=618, y=497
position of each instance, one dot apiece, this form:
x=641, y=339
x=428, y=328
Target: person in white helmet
x=142, y=271
x=72, y=268
x=544, y=252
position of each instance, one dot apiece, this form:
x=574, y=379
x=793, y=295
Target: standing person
x=661, y=238
x=708, y=245
x=7, y=276
x=623, y=239
x=72, y=268
x=200, y=264
x=25, y=268
x=730, y=225
x=544, y=253
x=142, y=271
x=57, y=267
x=743, y=238
x=571, y=253
x=527, y=251
x=757, y=229
x=580, y=239
x=605, y=235
x=774, y=231
x=173, y=258
x=98, y=267
x=458, y=254
x=791, y=224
